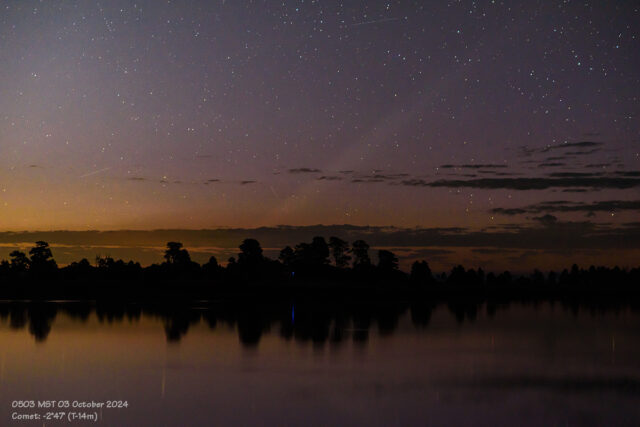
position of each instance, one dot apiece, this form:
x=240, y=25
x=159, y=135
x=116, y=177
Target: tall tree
x=176, y=255
x=320, y=251
x=251, y=253
x=287, y=256
x=19, y=261
x=42, y=258
x=387, y=260
x=421, y=273
x=339, y=249
x=360, y=250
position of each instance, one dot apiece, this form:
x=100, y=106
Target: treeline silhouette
x=334, y=267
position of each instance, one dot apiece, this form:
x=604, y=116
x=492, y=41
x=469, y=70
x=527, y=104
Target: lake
x=322, y=364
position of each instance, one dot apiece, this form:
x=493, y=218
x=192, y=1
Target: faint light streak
x=94, y=173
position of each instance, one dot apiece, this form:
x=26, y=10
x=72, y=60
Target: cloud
x=491, y=251
x=474, y=166
x=546, y=220
x=497, y=173
x=582, y=153
x=543, y=183
x=595, y=146
x=598, y=165
x=509, y=211
x=551, y=164
x=304, y=170
x=136, y=178
x=247, y=182
x=366, y=180
x=564, y=235
x=575, y=174
x=379, y=177
x=566, y=206
x=579, y=144
x=330, y=178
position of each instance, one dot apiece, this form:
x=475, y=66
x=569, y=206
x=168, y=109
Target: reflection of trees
x=41, y=317
x=314, y=322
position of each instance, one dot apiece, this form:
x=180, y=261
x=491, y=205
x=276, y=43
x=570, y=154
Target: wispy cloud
x=567, y=206
x=304, y=170
x=474, y=166
x=543, y=183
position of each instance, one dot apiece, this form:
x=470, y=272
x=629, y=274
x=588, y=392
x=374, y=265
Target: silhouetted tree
x=360, y=250
x=211, y=268
x=287, y=256
x=387, y=261
x=320, y=251
x=176, y=255
x=251, y=253
x=5, y=267
x=78, y=269
x=537, y=278
x=339, y=249
x=19, y=262
x=421, y=273
x=41, y=258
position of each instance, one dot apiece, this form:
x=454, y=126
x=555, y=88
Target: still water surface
x=522, y=365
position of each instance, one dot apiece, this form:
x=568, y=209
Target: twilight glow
x=507, y=131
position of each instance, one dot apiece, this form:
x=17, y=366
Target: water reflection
x=302, y=321
x=301, y=362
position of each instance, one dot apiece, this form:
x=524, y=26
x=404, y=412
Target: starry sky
x=470, y=116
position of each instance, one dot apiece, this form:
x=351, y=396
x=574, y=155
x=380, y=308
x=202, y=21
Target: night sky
x=473, y=117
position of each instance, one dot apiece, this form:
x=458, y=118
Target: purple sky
x=203, y=114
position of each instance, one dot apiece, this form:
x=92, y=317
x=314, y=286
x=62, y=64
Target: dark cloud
x=247, y=182
x=562, y=235
x=598, y=165
x=330, y=178
x=579, y=144
x=473, y=166
x=582, y=153
x=378, y=177
x=546, y=220
x=136, y=178
x=566, y=206
x=551, y=164
x=366, y=180
x=628, y=173
x=572, y=180
x=509, y=211
x=415, y=183
x=491, y=251
x=304, y=170
x=574, y=174
x=498, y=173
x=595, y=146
